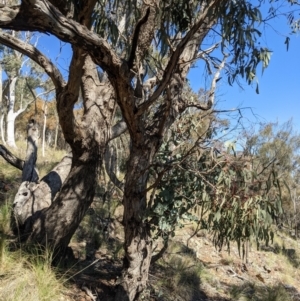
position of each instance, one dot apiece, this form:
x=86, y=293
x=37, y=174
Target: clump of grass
x=5, y=218
x=182, y=274
x=26, y=276
x=252, y=292
x=226, y=261
x=30, y=277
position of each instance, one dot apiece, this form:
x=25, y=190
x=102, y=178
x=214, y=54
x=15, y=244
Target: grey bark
x=32, y=195
x=138, y=241
x=29, y=172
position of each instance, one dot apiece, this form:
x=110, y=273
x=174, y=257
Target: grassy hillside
x=191, y=269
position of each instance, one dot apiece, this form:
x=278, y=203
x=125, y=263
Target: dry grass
x=178, y=275
x=30, y=277
x=253, y=292
x=270, y=274
x=26, y=276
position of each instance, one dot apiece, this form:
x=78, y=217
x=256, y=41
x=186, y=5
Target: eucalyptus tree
x=145, y=50
x=22, y=79
x=279, y=144
x=2, y=114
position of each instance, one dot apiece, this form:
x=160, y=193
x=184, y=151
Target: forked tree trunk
x=56, y=215
x=57, y=224
x=34, y=196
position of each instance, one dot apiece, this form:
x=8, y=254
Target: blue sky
x=279, y=85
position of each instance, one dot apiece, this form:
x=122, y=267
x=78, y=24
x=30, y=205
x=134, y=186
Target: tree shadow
x=289, y=253
x=98, y=277
x=250, y=291
x=291, y=256
x=177, y=276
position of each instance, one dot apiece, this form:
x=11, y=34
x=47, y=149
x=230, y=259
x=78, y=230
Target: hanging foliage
x=234, y=196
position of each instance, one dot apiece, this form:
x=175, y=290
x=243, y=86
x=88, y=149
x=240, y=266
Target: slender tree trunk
x=11, y=116
x=44, y=128
x=56, y=131
x=10, y=129
x=2, y=128
x=1, y=108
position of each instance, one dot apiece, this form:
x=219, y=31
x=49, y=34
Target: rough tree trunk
x=61, y=199
x=138, y=242
x=57, y=214
x=32, y=197
x=145, y=143
x=59, y=222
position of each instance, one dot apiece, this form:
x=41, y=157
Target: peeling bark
x=55, y=225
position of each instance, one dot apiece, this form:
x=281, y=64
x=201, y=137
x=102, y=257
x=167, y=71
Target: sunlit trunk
x=11, y=116
x=1, y=109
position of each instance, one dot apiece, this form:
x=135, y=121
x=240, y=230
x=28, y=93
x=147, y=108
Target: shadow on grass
x=252, y=292
x=289, y=253
x=178, y=276
x=292, y=257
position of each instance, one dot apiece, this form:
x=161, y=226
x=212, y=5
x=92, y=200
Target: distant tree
x=2, y=110
x=145, y=50
x=23, y=78
x=280, y=145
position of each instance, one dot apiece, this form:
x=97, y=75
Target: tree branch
x=135, y=38
x=161, y=252
x=211, y=95
x=118, y=129
x=66, y=101
x=110, y=166
x=44, y=17
x=174, y=60
x=211, y=98
x=33, y=53
x=10, y=158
